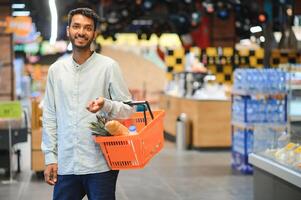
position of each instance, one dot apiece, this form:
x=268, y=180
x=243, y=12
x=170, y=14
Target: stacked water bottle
x=239, y=140
x=251, y=110
x=260, y=80
x=259, y=100
x=242, y=145
x=247, y=108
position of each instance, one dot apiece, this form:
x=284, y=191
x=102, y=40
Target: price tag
x=10, y=110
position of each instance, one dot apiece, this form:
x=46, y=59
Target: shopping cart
x=135, y=151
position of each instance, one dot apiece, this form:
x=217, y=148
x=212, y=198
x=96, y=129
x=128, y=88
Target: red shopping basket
x=134, y=151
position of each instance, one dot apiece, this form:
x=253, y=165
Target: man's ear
x=95, y=34
x=67, y=31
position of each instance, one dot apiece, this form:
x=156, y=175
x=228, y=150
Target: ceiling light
x=223, y=14
x=277, y=36
x=255, y=29
x=53, y=12
x=113, y=17
x=262, y=17
x=262, y=39
x=195, y=19
x=20, y=13
x=125, y=13
x=238, y=24
x=148, y=4
x=289, y=12
x=18, y=6
x=208, y=5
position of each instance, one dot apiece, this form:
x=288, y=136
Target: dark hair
x=86, y=12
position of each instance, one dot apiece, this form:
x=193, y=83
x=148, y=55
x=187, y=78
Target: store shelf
x=296, y=100
x=256, y=93
x=295, y=118
x=276, y=169
x=295, y=87
x=253, y=125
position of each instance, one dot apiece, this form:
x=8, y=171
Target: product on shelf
x=286, y=155
x=242, y=142
x=276, y=144
x=259, y=110
x=259, y=99
x=260, y=80
x=297, y=161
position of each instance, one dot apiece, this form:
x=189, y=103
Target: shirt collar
x=77, y=66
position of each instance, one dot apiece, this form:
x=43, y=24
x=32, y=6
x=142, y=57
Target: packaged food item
x=115, y=128
x=286, y=155
x=297, y=161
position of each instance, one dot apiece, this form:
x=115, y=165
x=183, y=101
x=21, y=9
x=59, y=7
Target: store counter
x=274, y=181
x=210, y=120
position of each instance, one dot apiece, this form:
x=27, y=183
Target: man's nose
x=81, y=31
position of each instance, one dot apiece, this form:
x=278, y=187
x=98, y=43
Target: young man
x=77, y=88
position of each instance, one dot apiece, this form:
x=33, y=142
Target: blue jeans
x=99, y=186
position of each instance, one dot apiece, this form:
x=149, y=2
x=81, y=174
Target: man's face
x=81, y=31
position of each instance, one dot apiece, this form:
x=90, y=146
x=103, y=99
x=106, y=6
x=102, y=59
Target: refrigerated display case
x=276, y=161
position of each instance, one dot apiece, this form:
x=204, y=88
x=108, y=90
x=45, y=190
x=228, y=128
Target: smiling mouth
x=81, y=39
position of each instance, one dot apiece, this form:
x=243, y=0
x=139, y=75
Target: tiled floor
x=171, y=175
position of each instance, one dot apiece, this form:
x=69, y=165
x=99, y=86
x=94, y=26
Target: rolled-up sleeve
x=119, y=93
x=49, y=138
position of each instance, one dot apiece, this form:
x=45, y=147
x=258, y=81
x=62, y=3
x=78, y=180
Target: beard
x=84, y=46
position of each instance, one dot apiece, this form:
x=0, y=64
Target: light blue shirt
x=67, y=139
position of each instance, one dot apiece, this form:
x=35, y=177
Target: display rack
x=9, y=111
x=7, y=78
x=243, y=122
x=242, y=144
x=276, y=156
x=294, y=95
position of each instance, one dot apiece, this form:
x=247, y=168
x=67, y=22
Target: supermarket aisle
x=191, y=175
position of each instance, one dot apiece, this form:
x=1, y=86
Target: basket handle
x=134, y=103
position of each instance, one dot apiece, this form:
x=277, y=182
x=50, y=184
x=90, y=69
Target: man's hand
x=50, y=174
x=95, y=105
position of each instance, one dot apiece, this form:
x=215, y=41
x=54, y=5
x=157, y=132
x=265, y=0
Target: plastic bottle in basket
x=115, y=128
x=132, y=130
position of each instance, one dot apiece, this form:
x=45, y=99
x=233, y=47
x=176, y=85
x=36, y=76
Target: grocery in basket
x=135, y=150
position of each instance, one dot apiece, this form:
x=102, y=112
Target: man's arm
x=49, y=137
x=119, y=92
